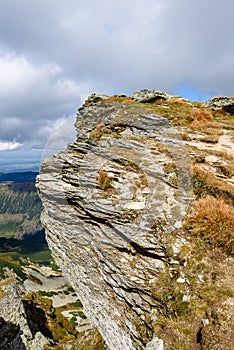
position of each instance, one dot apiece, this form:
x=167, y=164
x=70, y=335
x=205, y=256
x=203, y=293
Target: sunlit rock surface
x=116, y=206
x=107, y=200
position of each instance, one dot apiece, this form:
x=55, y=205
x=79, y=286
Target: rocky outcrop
x=147, y=96
x=115, y=212
x=94, y=98
x=221, y=102
x=15, y=328
x=109, y=199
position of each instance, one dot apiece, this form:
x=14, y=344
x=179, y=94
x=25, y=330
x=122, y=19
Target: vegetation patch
x=192, y=298
x=105, y=183
x=20, y=209
x=12, y=265
x=201, y=118
x=205, y=183
x=213, y=219
x=48, y=320
x=3, y=283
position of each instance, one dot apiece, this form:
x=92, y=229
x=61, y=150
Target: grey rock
x=15, y=327
x=107, y=203
x=221, y=102
x=39, y=342
x=155, y=344
x=147, y=95
x=93, y=99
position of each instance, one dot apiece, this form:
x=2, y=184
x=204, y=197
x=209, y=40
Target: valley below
x=38, y=307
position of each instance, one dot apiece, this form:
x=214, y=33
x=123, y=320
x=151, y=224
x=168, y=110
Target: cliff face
x=114, y=203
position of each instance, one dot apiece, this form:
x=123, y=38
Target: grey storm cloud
x=54, y=53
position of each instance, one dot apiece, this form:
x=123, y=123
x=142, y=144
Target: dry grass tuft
x=202, y=114
x=97, y=133
x=213, y=219
x=207, y=183
x=177, y=101
x=128, y=101
x=6, y=281
x=201, y=118
x=105, y=183
x=122, y=99
x=210, y=139
x=220, y=113
x=3, y=283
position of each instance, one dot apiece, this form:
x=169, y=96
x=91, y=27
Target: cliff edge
x=121, y=212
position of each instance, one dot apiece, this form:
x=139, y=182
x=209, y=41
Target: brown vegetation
x=177, y=101
x=97, y=133
x=3, y=283
x=206, y=183
x=105, y=183
x=213, y=219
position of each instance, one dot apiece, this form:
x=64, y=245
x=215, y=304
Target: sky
x=54, y=53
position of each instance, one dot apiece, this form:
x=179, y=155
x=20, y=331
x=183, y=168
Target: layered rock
x=110, y=202
x=221, y=102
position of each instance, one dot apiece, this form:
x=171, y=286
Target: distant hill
x=27, y=176
x=20, y=206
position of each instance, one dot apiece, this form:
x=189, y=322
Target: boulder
x=221, y=102
x=147, y=96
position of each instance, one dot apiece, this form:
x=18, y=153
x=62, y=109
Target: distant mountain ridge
x=28, y=176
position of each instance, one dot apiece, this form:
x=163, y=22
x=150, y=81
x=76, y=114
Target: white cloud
x=9, y=146
x=16, y=71
x=33, y=98
x=53, y=54
x=19, y=75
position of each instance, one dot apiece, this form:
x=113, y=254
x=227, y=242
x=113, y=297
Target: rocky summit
x=139, y=216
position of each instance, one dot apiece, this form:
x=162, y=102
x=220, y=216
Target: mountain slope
x=20, y=207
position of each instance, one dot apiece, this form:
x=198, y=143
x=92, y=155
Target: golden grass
x=202, y=114
x=105, y=183
x=201, y=118
x=177, y=101
x=3, y=283
x=97, y=132
x=6, y=281
x=210, y=139
x=207, y=183
x=213, y=219
x=122, y=99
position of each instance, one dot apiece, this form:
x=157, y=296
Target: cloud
x=9, y=146
x=54, y=53
x=33, y=97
